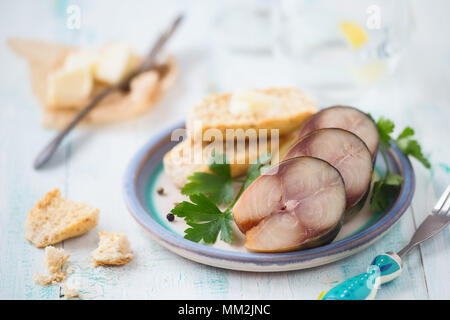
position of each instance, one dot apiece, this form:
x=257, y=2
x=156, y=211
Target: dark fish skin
x=351, y=212
x=312, y=124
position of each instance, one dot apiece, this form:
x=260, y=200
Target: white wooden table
x=90, y=164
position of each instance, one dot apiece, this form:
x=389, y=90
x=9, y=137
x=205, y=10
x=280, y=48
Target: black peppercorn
x=160, y=190
x=170, y=217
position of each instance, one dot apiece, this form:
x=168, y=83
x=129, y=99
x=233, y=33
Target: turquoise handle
x=384, y=268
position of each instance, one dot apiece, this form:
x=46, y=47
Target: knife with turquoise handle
x=388, y=266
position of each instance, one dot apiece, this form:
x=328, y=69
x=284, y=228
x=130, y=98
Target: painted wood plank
x=21, y=187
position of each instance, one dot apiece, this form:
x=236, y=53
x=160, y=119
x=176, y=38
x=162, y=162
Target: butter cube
x=68, y=87
x=250, y=101
x=115, y=62
x=82, y=59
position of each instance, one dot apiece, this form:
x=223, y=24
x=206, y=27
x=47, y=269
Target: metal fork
x=433, y=223
x=388, y=266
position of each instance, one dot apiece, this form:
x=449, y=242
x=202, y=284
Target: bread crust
x=54, y=219
x=180, y=163
x=213, y=112
x=113, y=249
x=55, y=258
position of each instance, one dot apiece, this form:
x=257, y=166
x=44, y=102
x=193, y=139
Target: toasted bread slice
x=113, y=249
x=291, y=108
x=183, y=160
x=55, y=219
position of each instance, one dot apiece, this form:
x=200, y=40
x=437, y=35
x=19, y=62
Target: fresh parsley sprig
x=404, y=141
x=411, y=147
x=205, y=219
x=208, y=190
x=217, y=185
x=387, y=185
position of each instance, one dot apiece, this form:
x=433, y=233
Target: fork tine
x=442, y=200
x=446, y=208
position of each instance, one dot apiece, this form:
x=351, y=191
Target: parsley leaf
x=411, y=147
x=407, y=132
x=388, y=185
x=383, y=189
x=393, y=179
x=218, y=185
x=379, y=200
x=206, y=191
x=206, y=221
x=385, y=128
x=404, y=141
x=255, y=170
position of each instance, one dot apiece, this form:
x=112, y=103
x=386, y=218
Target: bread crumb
x=46, y=280
x=54, y=219
x=70, y=269
x=113, y=249
x=55, y=259
x=69, y=291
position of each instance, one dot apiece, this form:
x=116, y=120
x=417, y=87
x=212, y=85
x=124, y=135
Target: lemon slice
x=354, y=33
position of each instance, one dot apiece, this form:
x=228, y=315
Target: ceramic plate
x=145, y=174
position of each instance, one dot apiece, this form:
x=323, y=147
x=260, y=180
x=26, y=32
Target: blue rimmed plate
x=145, y=174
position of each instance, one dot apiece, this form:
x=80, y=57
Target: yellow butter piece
x=66, y=87
x=250, y=101
x=354, y=33
x=82, y=59
x=115, y=62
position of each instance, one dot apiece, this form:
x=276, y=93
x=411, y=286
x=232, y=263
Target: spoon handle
x=146, y=65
